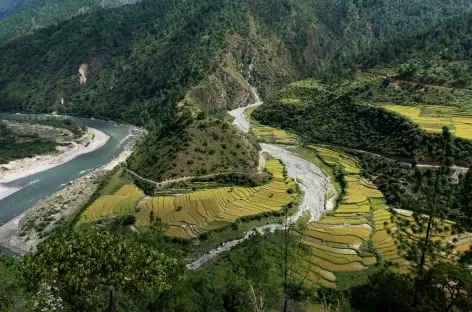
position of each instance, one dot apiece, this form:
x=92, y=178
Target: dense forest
x=88, y=276
x=116, y=46
x=450, y=39
x=8, y=7
x=135, y=63
x=36, y=14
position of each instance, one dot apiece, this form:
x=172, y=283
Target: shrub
x=129, y=220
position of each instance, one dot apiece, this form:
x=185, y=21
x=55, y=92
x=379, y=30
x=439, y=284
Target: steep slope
x=427, y=77
x=447, y=40
x=25, y=16
x=163, y=64
x=7, y=7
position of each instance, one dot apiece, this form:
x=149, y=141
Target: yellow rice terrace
x=190, y=215
x=432, y=118
x=339, y=241
x=268, y=134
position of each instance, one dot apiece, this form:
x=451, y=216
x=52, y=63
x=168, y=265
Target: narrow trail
x=455, y=168
x=186, y=178
x=312, y=181
x=169, y=181
x=431, y=85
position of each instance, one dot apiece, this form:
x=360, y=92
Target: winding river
x=43, y=184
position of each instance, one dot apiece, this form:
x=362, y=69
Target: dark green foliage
x=129, y=220
x=41, y=13
x=85, y=264
x=445, y=287
x=465, y=193
x=161, y=64
x=448, y=40
x=346, y=123
x=7, y=7
x=13, y=146
x=12, y=294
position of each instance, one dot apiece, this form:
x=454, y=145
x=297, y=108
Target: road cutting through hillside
x=313, y=182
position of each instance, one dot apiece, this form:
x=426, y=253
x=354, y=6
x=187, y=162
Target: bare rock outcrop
x=83, y=73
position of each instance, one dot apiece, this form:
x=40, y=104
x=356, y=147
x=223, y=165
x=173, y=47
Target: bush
x=129, y=220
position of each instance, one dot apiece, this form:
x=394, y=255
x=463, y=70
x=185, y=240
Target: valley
x=279, y=155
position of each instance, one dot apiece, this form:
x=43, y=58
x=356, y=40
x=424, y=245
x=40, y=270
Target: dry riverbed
x=313, y=182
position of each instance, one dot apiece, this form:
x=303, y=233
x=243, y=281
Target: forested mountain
x=136, y=63
x=26, y=16
x=449, y=40
x=7, y=7
x=175, y=67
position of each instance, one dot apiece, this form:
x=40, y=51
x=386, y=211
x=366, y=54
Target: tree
x=11, y=291
x=85, y=266
x=448, y=287
x=445, y=287
x=433, y=191
x=293, y=253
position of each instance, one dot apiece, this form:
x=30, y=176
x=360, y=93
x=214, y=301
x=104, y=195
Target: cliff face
x=245, y=61
x=83, y=73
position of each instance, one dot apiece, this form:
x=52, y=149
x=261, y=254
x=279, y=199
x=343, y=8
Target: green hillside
x=25, y=17
x=7, y=7
x=314, y=228
x=428, y=69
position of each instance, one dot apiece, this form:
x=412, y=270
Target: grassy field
x=432, y=118
x=190, y=215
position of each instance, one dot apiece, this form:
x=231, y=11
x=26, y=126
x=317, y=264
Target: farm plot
x=193, y=214
x=432, y=118
x=395, y=233
x=121, y=203
x=268, y=134
x=336, y=240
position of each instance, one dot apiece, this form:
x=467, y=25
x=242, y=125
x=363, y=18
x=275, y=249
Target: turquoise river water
x=43, y=184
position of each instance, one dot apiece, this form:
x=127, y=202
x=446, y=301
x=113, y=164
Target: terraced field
x=190, y=215
x=195, y=213
x=121, y=203
x=268, y=134
x=336, y=241
x=402, y=229
x=432, y=118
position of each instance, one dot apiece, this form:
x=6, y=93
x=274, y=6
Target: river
x=43, y=184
